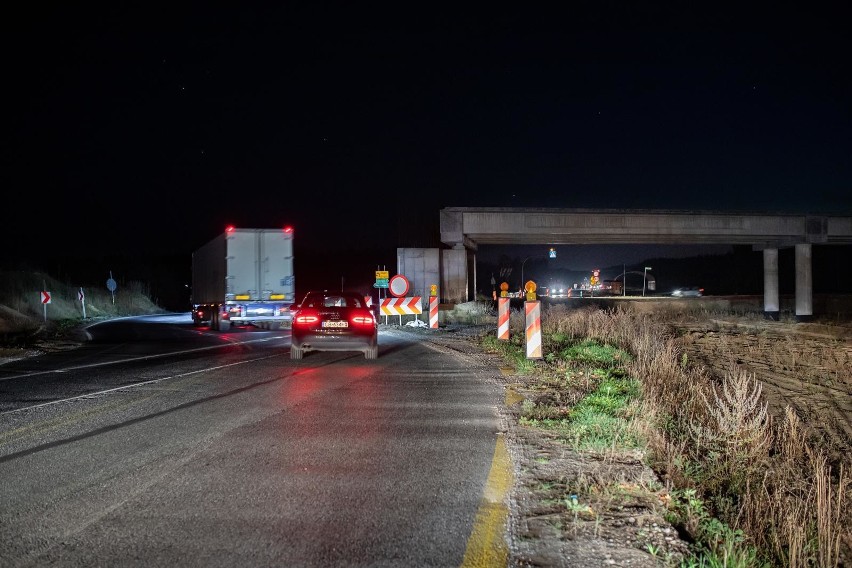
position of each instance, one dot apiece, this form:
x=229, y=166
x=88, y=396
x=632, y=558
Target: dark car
x=334, y=321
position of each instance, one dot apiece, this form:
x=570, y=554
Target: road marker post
x=503, y=318
x=533, y=329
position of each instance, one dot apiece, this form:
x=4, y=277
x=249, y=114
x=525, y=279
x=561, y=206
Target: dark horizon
x=137, y=133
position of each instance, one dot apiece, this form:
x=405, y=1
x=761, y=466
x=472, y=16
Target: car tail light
x=363, y=319
x=304, y=317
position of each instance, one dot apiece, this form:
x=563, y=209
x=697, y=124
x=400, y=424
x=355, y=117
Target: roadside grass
x=24, y=320
x=745, y=490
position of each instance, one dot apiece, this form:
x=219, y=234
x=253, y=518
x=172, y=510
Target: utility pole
x=645, y=279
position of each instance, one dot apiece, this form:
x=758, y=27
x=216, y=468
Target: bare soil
x=807, y=366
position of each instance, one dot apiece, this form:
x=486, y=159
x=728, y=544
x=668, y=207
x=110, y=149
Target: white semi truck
x=242, y=277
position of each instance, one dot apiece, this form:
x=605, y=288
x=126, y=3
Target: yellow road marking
x=486, y=546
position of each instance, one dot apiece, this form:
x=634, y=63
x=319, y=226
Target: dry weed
x=770, y=482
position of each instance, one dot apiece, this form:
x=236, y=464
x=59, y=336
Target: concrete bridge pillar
x=804, y=283
x=770, y=283
x=456, y=280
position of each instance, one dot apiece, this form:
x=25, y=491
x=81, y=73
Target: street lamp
x=522, y=270
x=645, y=279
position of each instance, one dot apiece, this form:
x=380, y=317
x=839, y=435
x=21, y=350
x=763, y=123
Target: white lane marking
x=152, y=381
x=132, y=359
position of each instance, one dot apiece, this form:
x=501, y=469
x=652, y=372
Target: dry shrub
x=717, y=437
x=733, y=438
x=799, y=511
x=517, y=323
x=573, y=323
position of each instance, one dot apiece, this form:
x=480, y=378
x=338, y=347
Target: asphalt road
x=160, y=444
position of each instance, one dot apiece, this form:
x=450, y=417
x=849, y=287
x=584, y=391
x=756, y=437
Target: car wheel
x=295, y=352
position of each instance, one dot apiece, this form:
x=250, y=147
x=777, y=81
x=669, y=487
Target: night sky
x=138, y=131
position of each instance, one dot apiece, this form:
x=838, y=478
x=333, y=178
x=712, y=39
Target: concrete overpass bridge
x=463, y=229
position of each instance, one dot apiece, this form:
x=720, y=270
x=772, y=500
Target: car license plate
x=334, y=323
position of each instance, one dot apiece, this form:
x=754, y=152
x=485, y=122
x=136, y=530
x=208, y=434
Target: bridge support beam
x=771, y=306
x=804, y=283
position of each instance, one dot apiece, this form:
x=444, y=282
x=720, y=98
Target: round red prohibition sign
x=398, y=285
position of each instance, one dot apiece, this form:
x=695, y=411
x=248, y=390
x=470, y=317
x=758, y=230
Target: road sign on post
x=82, y=297
x=399, y=285
x=45, y=300
x=381, y=279
x=111, y=286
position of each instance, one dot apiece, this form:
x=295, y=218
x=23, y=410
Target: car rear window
x=333, y=301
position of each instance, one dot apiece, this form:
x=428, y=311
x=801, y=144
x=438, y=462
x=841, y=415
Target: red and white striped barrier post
x=503, y=318
x=433, y=312
x=533, y=328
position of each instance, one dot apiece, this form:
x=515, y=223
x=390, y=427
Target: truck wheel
x=295, y=352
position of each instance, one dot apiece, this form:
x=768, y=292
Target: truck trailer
x=244, y=277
